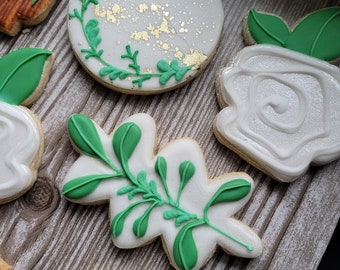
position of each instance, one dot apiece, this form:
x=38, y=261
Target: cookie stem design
x=91, y=31
x=141, y=191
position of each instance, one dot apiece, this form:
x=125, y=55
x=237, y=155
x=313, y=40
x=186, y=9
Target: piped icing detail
x=20, y=142
x=159, y=45
x=282, y=109
x=316, y=35
x=167, y=195
x=22, y=79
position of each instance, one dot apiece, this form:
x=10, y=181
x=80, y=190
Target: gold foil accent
x=113, y=14
x=143, y=8
x=161, y=28
x=143, y=35
x=194, y=58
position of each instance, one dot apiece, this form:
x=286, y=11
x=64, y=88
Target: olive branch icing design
x=155, y=195
x=91, y=31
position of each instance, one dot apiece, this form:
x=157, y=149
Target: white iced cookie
x=24, y=74
x=168, y=195
x=282, y=105
x=144, y=47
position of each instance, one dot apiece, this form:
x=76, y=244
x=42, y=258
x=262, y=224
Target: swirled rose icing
x=284, y=110
x=20, y=143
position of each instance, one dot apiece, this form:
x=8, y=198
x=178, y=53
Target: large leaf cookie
x=23, y=75
x=167, y=195
x=144, y=47
x=14, y=14
x=283, y=97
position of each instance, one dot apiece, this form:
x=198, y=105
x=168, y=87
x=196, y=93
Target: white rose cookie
x=144, y=47
x=282, y=97
x=168, y=195
x=24, y=74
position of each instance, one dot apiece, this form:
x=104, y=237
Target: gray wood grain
x=42, y=230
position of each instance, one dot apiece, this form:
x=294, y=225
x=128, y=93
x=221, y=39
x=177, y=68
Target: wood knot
x=43, y=196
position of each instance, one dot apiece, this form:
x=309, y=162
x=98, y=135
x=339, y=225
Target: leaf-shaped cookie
x=141, y=199
x=317, y=34
x=22, y=74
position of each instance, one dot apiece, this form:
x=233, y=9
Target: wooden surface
x=42, y=230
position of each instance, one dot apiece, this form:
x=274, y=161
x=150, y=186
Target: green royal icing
x=91, y=31
x=125, y=140
x=34, y=2
x=21, y=73
x=317, y=35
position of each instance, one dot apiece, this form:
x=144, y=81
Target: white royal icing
x=283, y=110
x=185, y=30
x=195, y=195
x=20, y=143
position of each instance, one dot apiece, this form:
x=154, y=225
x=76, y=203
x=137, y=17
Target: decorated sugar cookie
x=167, y=195
x=282, y=97
x=15, y=14
x=4, y=265
x=144, y=47
x=23, y=75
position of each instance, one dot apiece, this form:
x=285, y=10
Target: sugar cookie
x=283, y=102
x=24, y=74
x=15, y=14
x=167, y=195
x=144, y=47
x=4, y=265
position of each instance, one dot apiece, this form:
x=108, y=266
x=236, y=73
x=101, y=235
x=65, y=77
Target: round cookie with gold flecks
x=144, y=47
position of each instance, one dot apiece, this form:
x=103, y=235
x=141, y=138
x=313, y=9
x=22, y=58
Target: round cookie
x=24, y=74
x=168, y=194
x=15, y=14
x=144, y=47
x=280, y=98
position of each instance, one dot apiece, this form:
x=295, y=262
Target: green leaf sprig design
x=315, y=35
x=91, y=31
x=141, y=192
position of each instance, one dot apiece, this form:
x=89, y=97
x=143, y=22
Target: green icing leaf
x=125, y=140
x=125, y=190
x=83, y=186
x=230, y=192
x=186, y=171
x=140, y=225
x=267, y=29
x=161, y=169
x=184, y=249
x=84, y=135
x=171, y=70
x=170, y=214
x=21, y=73
x=180, y=216
x=117, y=224
x=318, y=35
x=34, y=2
x=92, y=31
